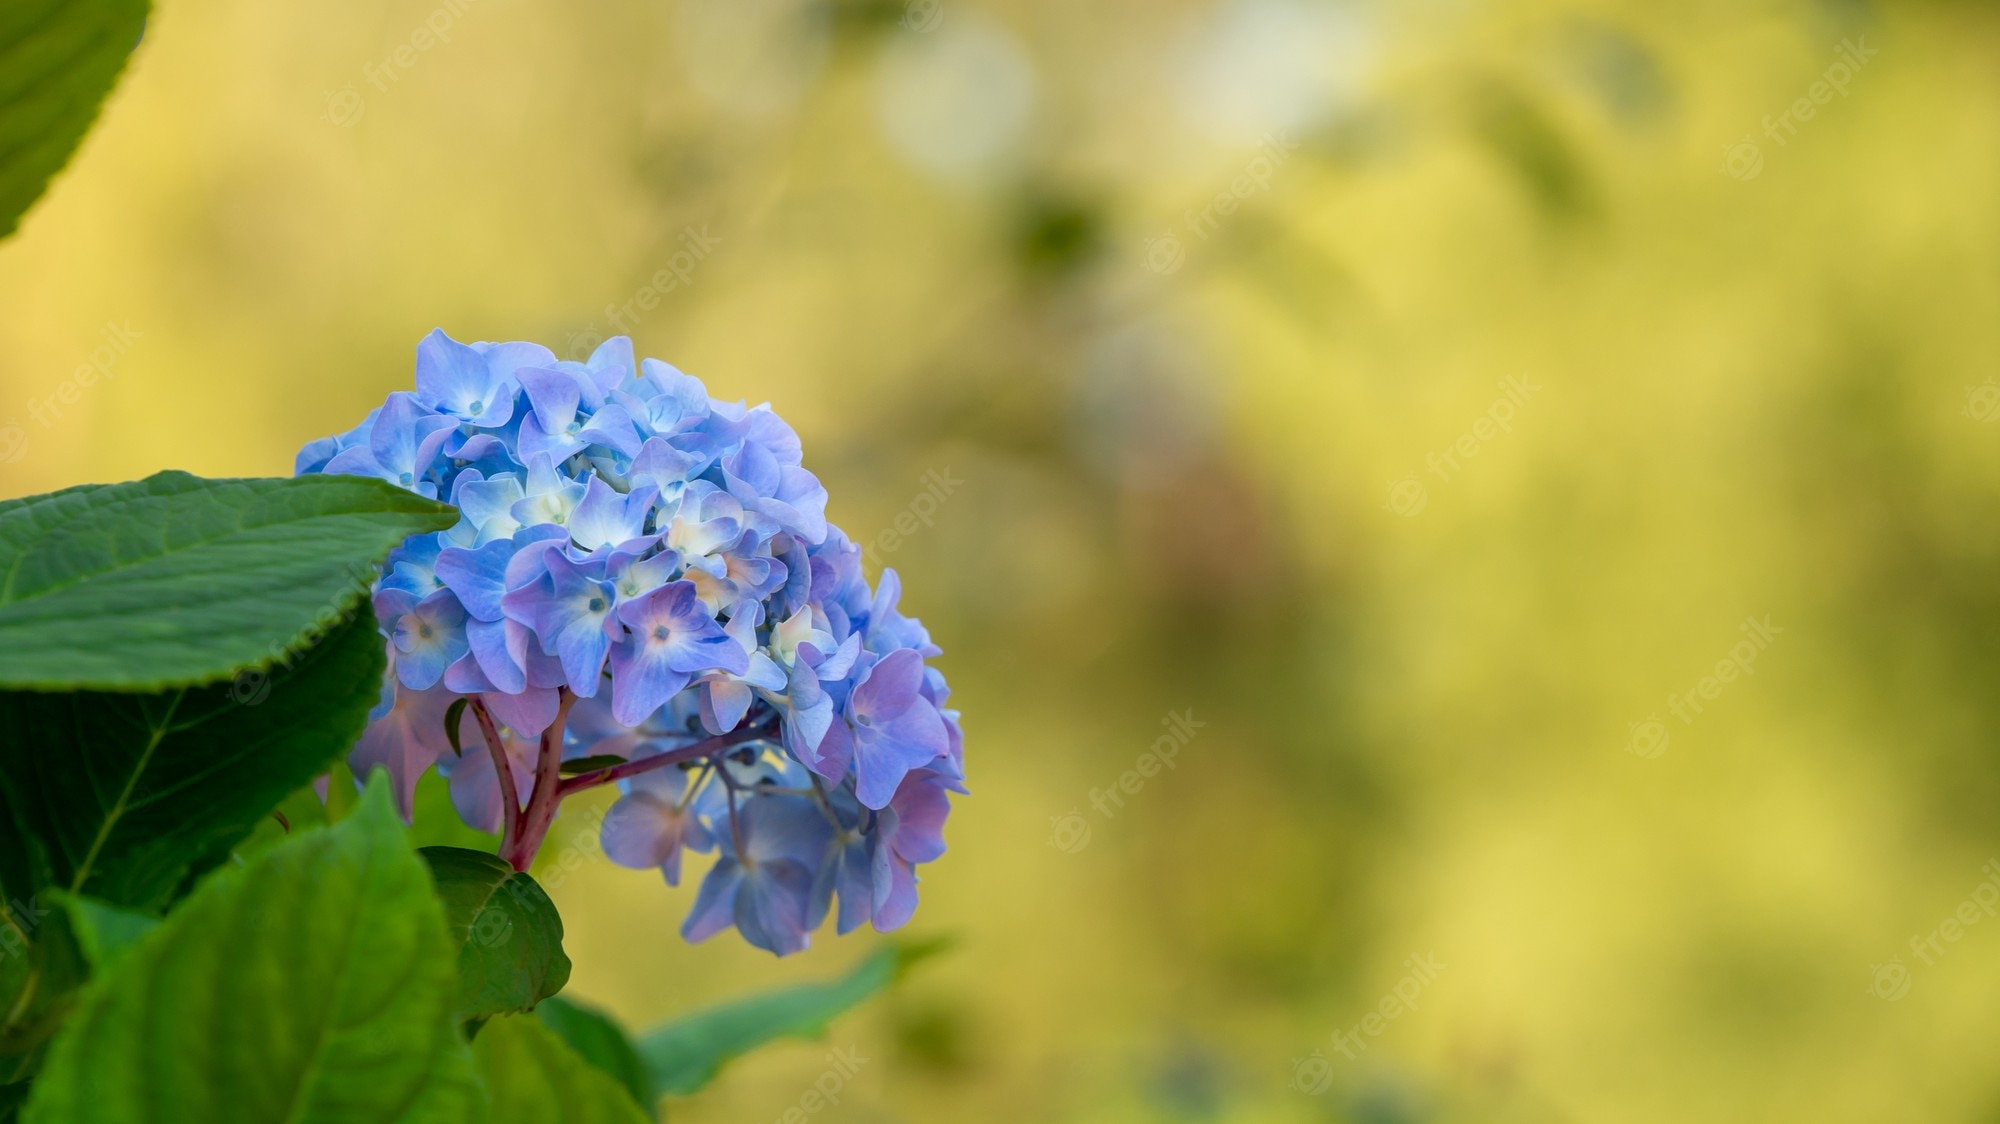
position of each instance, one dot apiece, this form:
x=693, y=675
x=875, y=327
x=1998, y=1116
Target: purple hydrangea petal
x=715, y=903
x=409, y=739
x=671, y=638
x=570, y=609
x=475, y=789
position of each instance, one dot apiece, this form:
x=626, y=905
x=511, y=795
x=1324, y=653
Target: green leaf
x=126, y=797
x=105, y=933
x=37, y=987
x=534, y=1078
x=509, y=937
x=73, y=936
x=591, y=764
x=58, y=58
x=453, y=715
x=178, y=581
x=600, y=1041
x=434, y=819
x=687, y=1053
x=436, y=822
x=314, y=985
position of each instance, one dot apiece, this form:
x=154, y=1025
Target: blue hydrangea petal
x=489, y=506
x=854, y=882
x=570, y=609
x=510, y=358
x=478, y=576
x=715, y=903
x=675, y=395
x=488, y=455
x=642, y=830
x=428, y=636
x=633, y=574
x=605, y=518
x=458, y=380
x=550, y=496
x=405, y=442
x=315, y=455
x=412, y=567
x=672, y=637
x=664, y=467
x=537, y=441
x=611, y=365
x=772, y=906
x=612, y=427
x=556, y=396
x=895, y=729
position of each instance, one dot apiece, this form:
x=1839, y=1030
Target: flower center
x=660, y=632
x=597, y=604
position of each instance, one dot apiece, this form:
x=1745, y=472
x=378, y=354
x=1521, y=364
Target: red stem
x=694, y=752
x=541, y=810
x=503, y=776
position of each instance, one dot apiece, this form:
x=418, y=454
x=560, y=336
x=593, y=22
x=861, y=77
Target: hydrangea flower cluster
x=642, y=588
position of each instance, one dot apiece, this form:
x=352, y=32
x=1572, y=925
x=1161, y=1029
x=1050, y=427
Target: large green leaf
x=687, y=1053
x=533, y=1078
x=129, y=797
x=509, y=937
x=37, y=987
x=72, y=936
x=125, y=797
x=313, y=985
x=177, y=581
x=601, y=1042
x=104, y=933
x=58, y=58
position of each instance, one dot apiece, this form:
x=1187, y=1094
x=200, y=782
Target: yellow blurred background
x=1423, y=398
